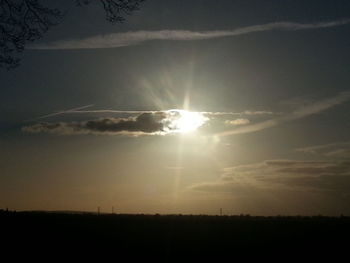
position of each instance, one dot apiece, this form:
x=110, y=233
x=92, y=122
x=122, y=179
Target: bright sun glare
x=183, y=121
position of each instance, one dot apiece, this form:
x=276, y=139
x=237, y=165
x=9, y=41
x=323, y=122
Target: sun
x=183, y=121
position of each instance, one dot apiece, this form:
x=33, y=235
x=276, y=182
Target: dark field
x=172, y=235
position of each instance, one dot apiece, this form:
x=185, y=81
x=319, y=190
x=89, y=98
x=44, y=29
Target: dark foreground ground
x=169, y=236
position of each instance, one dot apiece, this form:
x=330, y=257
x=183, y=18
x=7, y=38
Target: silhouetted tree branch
x=27, y=20
x=116, y=10
x=22, y=21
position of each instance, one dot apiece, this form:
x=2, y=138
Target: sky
x=186, y=107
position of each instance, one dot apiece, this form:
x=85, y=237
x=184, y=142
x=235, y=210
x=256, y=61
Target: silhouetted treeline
x=173, y=235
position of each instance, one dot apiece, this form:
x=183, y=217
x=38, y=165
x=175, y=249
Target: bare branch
x=28, y=20
x=22, y=21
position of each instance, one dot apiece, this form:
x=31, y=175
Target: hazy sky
x=84, y=120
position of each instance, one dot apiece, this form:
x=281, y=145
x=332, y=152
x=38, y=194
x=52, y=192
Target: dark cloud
x=137, y=122
x=143, y=124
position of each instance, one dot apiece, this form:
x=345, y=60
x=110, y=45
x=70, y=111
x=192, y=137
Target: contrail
x=59, y=113
x=116, y=40
x=76, y=111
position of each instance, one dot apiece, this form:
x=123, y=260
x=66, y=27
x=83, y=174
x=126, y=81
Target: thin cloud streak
x=302, y=112
x=247, y=112
x=293, y=174
x=334, y=150
x=60, y=112
x=116, y=40
x=237, y=122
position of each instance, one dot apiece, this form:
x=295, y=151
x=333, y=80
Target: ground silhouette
x=173, y=235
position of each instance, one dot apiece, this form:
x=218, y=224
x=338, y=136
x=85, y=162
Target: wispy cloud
x=237, y=122
x=319, y=106
x=334, y=150
x=299, y=113
x=115, y=40
x=273, y=174
x=242, y=113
